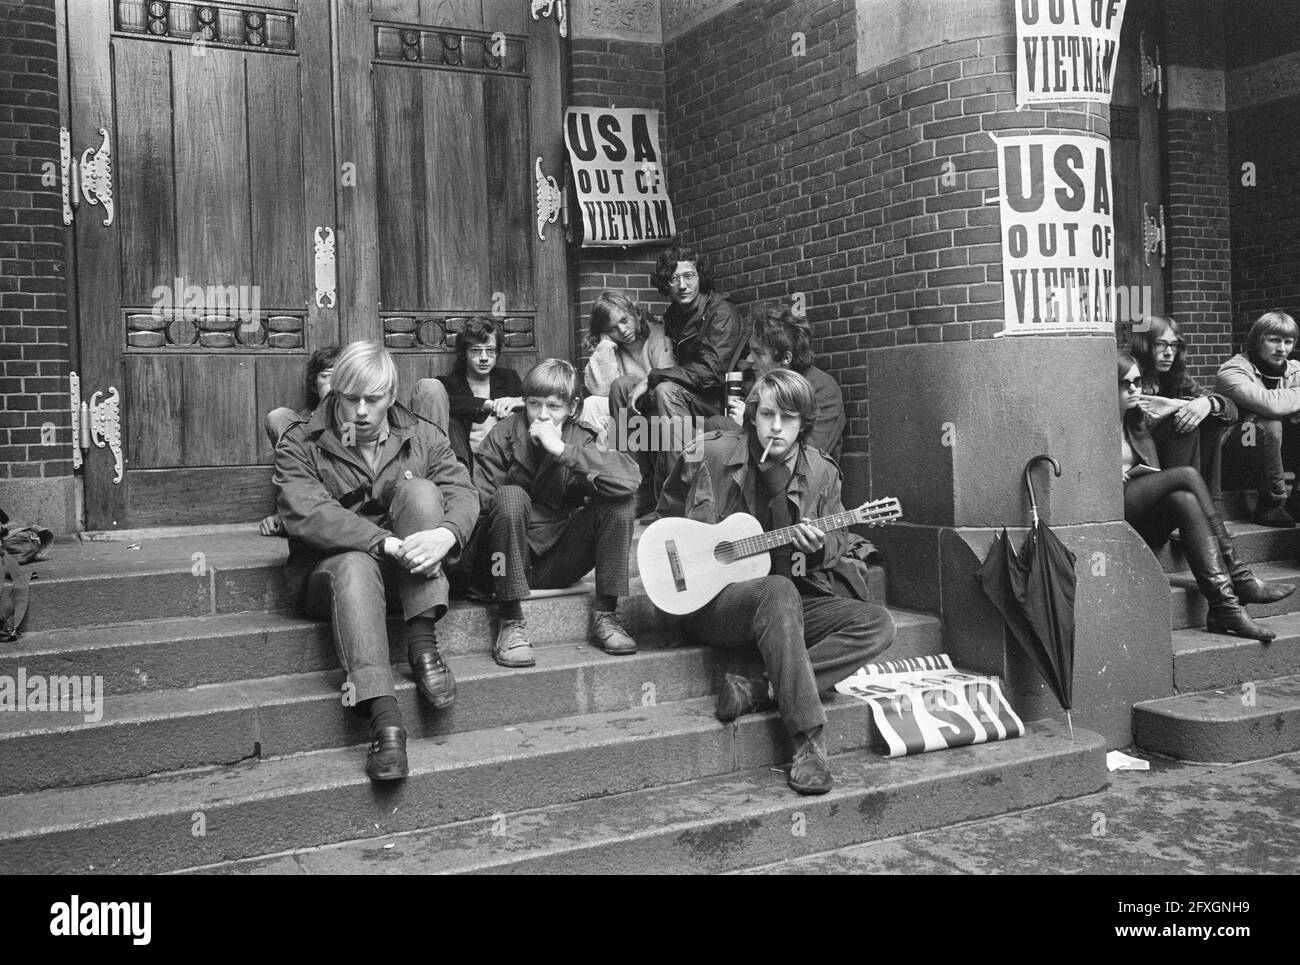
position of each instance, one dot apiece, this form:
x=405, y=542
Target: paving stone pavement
x=1177, y=818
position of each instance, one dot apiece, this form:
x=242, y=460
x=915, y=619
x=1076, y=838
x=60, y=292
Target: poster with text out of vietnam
x=1058, y=234
x=1066, y=50
x=618, y=170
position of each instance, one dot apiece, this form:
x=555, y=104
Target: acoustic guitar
x=684, y=564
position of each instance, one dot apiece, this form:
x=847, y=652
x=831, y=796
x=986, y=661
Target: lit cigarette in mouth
x=767, y=450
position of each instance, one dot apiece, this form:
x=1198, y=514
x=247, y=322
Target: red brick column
x=36, y=481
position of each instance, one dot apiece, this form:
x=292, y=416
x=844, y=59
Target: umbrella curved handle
x=1029, y=485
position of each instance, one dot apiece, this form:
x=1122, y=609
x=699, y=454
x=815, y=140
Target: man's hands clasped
x=422, y=553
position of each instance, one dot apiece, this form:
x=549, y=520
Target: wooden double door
x=264, y=179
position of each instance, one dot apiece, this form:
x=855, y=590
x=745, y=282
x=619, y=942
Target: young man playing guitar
x=809, y=637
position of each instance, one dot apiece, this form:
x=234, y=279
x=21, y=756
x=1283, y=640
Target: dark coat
x=708, y=340
x=332, y=502
x=466, y=407
x=714, y=479
x=1139, y=437
x=559, y=485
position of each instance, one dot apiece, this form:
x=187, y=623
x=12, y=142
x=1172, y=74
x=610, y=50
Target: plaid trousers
x=599, y=535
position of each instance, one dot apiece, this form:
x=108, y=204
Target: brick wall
x=612, y=73
x=1266, y=217
x=34, y=344
x=863, y=193
x=1198, y=275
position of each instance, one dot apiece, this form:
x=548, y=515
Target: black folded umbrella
x=1034, y=591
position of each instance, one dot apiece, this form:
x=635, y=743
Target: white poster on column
x=1058, y=233
x=1066, y=50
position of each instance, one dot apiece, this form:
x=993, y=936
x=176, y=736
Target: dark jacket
x=1144, y=447
x=828, y=428
x=332, y=502
x=713, y=479
x=465, y=406
x=707, y=340
x=559, y=485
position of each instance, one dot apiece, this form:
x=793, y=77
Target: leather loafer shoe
x=386, y=760
x=433, y=678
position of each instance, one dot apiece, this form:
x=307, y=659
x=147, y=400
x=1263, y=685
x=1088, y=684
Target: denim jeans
x=351, y=590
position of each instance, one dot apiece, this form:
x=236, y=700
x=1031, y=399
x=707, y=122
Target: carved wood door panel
x=445, y=108
x=198, y=302
x=1136, y=181
x=203, y=297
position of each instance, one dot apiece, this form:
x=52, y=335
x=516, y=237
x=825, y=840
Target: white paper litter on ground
x=1119, y=761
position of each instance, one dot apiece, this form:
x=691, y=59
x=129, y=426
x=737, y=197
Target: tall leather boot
x=1226, y=614
x=1248, y=587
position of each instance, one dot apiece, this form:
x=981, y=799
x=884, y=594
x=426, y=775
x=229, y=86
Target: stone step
x=189, y=651
x=1254, y=544
x=733, y=821
x=1228, y=724
x=153, y=731
x=100, y=583
x=1207, y=660
x=1187, y=607
x=205, y=816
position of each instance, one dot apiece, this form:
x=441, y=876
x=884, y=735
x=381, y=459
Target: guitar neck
x=753, y=545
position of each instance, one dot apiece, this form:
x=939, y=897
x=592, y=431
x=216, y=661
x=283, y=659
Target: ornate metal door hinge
x=542, y=8
x=92, y=176
x=96, y=423
x=550, y=199
x=323, y=239
x=1153, y=73
x=1153, y=234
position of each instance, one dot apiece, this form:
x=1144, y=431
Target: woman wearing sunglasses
x=1156, y=502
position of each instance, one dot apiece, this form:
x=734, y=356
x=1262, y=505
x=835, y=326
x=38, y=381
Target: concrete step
x=205, y=816
x=190, y=651
x=1187, y=607
x=1207, y=660
x=737, y=820
x=1229, y=724
x=1254, y=544
x=112, y=582
x=149, y=732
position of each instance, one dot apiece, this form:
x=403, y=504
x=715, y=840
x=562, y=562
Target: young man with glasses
x=1187, y=422
x=708, y=337
x=477, y=393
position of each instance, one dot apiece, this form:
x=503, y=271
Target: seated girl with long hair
x=1156, y=502
x=1187, y=421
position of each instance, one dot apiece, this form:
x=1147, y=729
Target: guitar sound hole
x=725, y=552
